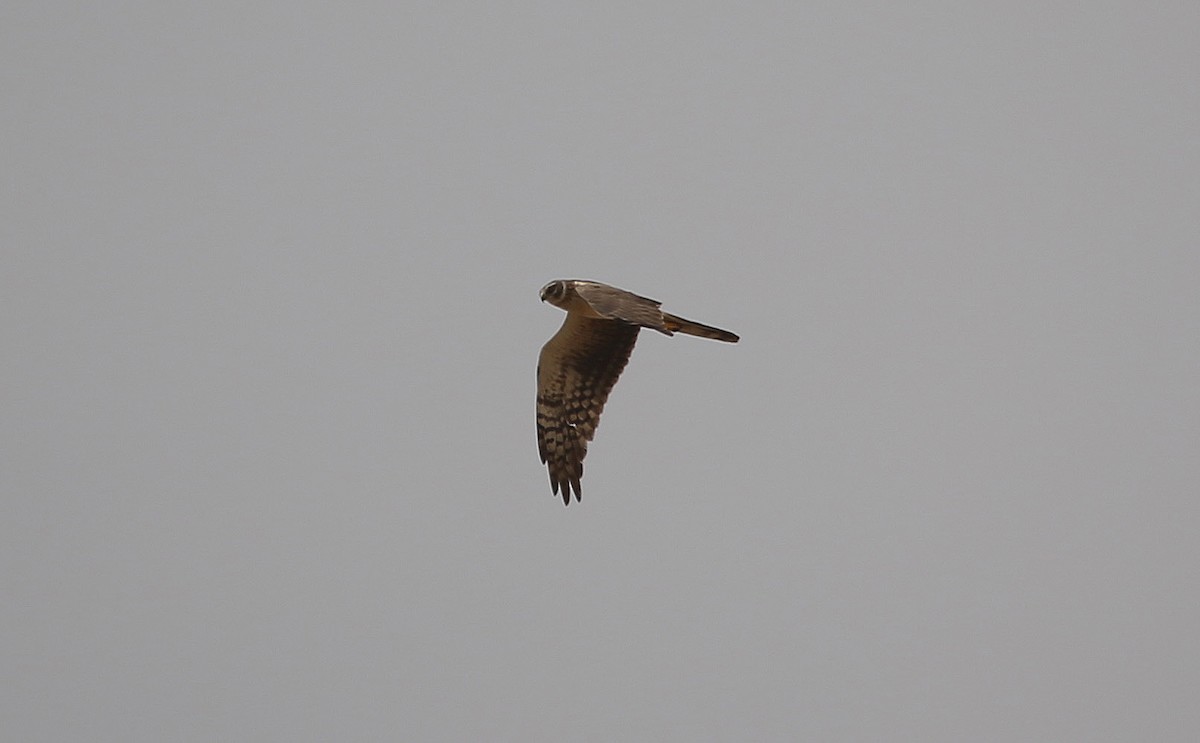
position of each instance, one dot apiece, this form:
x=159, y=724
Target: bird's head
x=555, y=292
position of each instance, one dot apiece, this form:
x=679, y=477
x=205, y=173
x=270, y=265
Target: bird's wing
x=618, y=304
x=576, y=370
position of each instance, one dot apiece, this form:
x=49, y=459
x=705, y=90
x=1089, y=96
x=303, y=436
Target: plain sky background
x=269, y=304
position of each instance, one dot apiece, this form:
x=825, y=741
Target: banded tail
x=676, y=324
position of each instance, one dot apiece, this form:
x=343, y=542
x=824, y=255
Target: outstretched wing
x=576, y=370
x=618, y=304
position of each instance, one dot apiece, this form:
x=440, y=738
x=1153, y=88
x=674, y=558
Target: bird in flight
x=580, y=364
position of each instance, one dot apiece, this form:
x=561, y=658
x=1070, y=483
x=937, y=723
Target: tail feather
x=676, y=324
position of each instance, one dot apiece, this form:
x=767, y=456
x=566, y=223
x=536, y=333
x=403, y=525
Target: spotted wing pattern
x=576, y=370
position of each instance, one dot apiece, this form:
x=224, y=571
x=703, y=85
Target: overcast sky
x=269, y=310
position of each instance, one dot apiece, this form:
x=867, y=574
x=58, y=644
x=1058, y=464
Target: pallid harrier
x=580, y=364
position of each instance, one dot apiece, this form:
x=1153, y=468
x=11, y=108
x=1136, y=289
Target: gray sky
x=270, y=318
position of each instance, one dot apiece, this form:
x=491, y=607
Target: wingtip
x=567, y=488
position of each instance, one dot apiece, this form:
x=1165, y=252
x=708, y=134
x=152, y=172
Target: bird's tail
x=676, y=324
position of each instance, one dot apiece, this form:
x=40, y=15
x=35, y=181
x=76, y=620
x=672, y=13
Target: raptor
x=580, y=364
